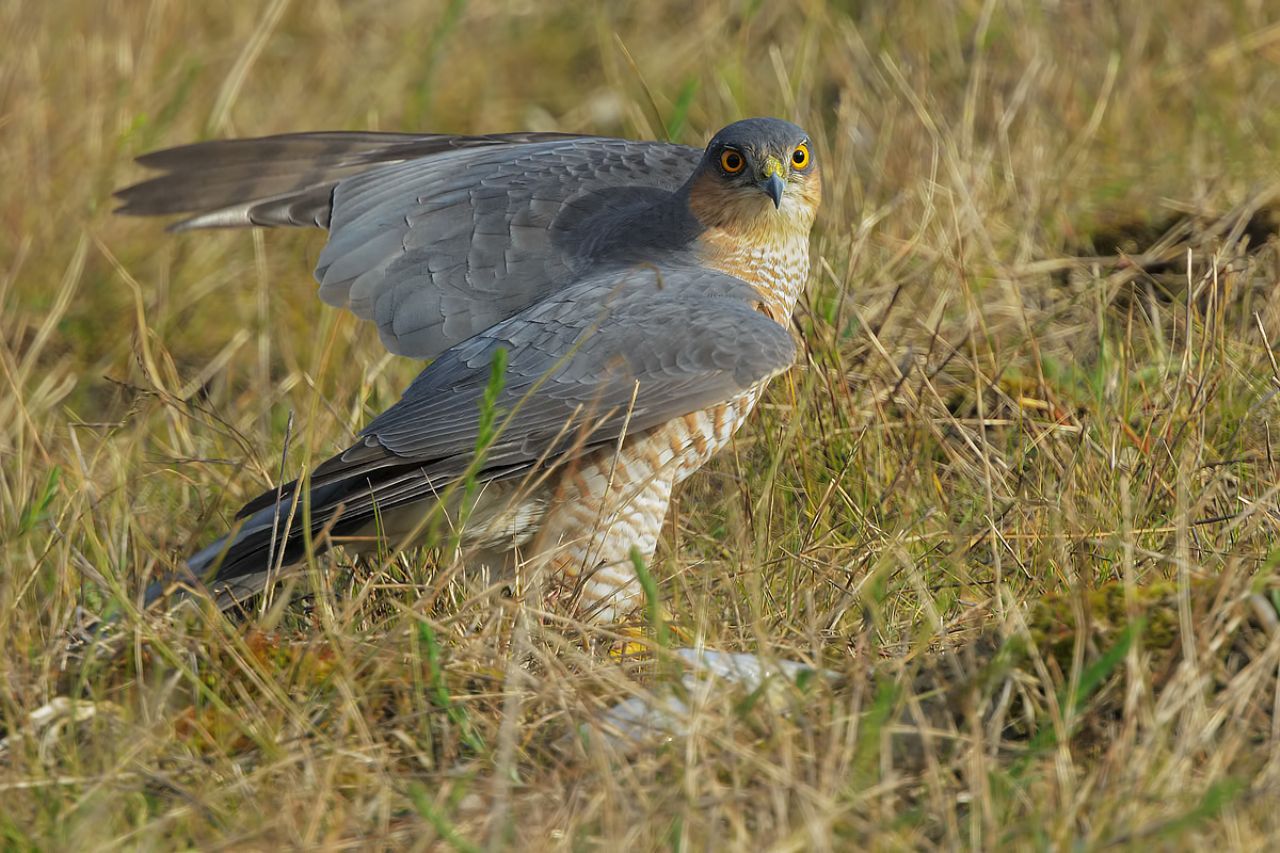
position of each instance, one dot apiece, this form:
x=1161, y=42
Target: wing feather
x=432, y=237
x=633, y=346
x=625, y=349
x=436, y=250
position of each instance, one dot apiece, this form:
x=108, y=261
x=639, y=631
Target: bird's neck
x=746, y=236
x=774, y=260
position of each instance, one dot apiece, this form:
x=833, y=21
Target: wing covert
x=436, y=250
x=433, y=237
x=679, y=340
x=622, y=349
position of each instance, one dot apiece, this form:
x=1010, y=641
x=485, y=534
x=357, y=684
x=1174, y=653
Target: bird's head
x=757, y=174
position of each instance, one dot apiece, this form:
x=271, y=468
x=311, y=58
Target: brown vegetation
x=1019, y=499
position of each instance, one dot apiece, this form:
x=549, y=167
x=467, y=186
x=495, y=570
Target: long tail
x=278, y=180
x=240, y=564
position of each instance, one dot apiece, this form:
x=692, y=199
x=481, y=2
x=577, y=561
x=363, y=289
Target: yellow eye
x=732, y=161
x=800, y=157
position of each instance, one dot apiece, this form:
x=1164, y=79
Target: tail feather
x=240, y=564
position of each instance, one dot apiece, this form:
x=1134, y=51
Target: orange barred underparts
x=617, y=501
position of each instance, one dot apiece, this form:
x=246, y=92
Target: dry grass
x=988, y=443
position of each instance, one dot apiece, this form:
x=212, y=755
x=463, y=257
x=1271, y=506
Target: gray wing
x=287, y=179
x=434, y=238
x=435, y=251
x=621, y=349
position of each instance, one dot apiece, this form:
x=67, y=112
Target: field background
x=1038, y=392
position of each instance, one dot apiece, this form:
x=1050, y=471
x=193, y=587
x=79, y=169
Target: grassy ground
x=1019, y=497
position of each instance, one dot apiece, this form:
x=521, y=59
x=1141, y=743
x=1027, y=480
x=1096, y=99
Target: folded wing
x=623, y=350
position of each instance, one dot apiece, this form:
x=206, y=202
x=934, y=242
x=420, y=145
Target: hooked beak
x=773, y=187
x=773, y=180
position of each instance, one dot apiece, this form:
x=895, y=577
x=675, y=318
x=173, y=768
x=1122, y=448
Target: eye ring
x=800, y=157
x=732, y=161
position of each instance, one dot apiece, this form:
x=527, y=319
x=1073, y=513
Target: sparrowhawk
x=636, y=295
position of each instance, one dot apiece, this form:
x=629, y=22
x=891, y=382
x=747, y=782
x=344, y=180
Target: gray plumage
x=573, y=254
x=676, y=341
x=434, y=238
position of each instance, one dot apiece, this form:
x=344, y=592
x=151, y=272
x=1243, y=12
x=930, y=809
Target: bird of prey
x=635, y=295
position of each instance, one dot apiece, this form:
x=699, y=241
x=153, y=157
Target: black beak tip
x=773, y=187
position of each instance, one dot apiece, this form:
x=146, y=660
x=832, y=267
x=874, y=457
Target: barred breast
x=616, y=501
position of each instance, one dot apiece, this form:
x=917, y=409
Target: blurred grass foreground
x=1015, y=509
